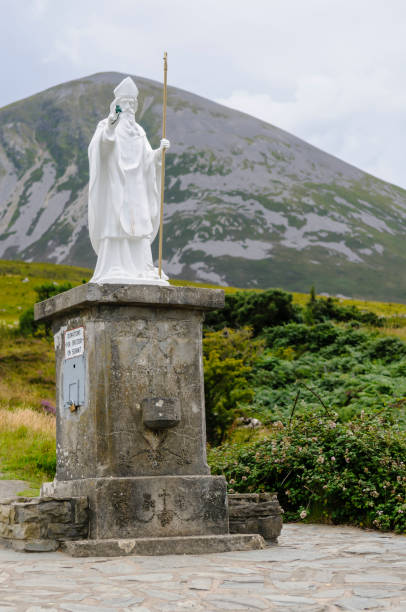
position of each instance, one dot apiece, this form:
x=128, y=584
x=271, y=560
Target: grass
x=27, y=446
x=27, y=371
x=27, y=434
x=18, y=280
x=27, y=376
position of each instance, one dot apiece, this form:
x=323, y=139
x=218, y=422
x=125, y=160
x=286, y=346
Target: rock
x=38, y=524
x=35, y=545
x=255, y=513
x=249, y=422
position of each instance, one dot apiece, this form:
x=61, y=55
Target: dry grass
x=11, y=420
x=382, y=309
x=27, y=445
x=398, y=332
x=27, y=372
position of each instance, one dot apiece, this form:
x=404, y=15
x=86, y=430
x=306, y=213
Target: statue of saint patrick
x=124, y=194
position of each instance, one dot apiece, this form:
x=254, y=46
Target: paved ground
x=313, y=568
x=10, y=488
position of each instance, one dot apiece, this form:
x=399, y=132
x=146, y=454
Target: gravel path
x=314, y=567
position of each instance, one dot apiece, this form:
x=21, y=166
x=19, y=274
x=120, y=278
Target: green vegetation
x=228, y=359
x=18, y=281
x=352, y=370
x=27, y=385
x=35, y=177
x=325, y=378
x=202, y=162
x=27, y=370
x=27, y=446
x=27, y=325
x=329, y=390
x=259, y=310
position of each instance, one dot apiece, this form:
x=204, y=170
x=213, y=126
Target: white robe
x=124, y=190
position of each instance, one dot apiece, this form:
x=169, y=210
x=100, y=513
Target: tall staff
x=161, y=221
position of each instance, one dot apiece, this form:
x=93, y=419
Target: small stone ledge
x=38, y=524
x=187, y=545
x=90, y=294
x=255, y=513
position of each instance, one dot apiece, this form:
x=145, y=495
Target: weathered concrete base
x=192, y=545
x=151, y=506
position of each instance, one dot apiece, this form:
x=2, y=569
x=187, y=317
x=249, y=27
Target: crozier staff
x=124, y=194
x=161, y=214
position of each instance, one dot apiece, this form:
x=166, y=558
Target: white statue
x=124, y=194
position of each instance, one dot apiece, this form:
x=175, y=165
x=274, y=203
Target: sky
x=329, y=71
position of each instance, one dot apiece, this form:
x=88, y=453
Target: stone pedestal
x=130, y=411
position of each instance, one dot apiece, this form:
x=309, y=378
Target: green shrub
x=47, y=290
x=255, y=309
x=387, y=349
x=27, y=326
x=348, y=369
x=330, y=309
x=261, y=309
x=325, y=470
x=227, y=357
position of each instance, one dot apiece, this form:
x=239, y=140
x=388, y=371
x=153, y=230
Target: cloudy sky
x=330, y=71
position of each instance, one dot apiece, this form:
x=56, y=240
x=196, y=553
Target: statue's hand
x=165, y=144
x=114, y=117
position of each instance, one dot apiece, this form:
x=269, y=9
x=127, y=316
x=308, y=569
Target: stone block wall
x=255, y=513
x=38, y=524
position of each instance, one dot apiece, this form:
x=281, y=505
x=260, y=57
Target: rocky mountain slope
x=247, y=204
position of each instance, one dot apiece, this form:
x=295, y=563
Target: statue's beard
x=128, y=108
x=128, y=118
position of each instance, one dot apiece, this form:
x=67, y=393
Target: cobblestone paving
x=314, y=568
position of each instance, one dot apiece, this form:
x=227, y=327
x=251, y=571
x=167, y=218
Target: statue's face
x=128, y=104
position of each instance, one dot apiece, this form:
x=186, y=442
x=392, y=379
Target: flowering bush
x=324, y=470
x=48, y=407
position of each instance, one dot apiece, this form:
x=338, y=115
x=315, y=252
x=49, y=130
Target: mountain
x=246, y=203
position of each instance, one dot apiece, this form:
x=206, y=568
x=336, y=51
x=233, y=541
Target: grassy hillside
x=18, y=279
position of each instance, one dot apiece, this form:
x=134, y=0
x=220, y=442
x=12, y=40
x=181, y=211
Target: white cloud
x=330, y=71
x=357, y=119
